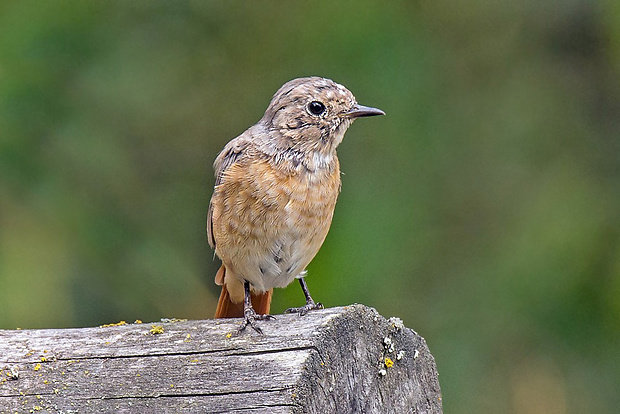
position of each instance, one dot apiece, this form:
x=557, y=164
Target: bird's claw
x=302, y=310
x=250, y=317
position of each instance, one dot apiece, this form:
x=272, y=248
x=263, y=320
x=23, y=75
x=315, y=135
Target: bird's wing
x=234, y=150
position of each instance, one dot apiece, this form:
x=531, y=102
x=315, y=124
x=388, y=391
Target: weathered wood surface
x=339, y=360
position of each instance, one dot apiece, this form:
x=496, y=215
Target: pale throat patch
x=321, y=160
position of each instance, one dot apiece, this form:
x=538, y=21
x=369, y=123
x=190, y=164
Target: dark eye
x=316, y=108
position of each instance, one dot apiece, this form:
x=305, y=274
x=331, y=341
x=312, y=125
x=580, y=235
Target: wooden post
x=339, y=360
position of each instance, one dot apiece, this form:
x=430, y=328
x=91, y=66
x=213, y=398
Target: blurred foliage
x=484, y=210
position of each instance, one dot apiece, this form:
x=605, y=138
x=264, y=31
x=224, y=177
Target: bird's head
x=312, y=114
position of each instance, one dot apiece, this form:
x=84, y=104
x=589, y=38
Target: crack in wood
x=231, y=352
x=187, y=395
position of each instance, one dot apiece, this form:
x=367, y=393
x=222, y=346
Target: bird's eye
x=316, y=108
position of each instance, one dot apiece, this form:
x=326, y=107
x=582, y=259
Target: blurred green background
x=484, y=210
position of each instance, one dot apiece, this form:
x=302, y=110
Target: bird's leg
x=249, y=314
x=310, y=303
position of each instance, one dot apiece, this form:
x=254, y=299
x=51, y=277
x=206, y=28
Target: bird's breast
x=271, y=219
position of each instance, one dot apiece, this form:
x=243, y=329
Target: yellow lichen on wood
x=109, y=325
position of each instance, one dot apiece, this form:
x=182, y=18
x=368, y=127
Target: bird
x=276, y=187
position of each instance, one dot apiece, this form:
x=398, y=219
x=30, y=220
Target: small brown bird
x=275, y=191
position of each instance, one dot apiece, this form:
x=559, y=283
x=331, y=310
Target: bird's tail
x=226, y=308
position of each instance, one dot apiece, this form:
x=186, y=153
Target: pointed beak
x=359, y=111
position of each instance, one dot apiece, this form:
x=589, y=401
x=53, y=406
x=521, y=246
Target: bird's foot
x=302, y=310
x=250, y=317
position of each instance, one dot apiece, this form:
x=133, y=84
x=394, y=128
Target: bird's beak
x=359, y=111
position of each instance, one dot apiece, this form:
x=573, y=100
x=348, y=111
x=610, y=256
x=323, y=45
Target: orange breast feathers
x=269, y=220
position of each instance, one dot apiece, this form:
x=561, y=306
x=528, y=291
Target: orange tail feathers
x=226, y=308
